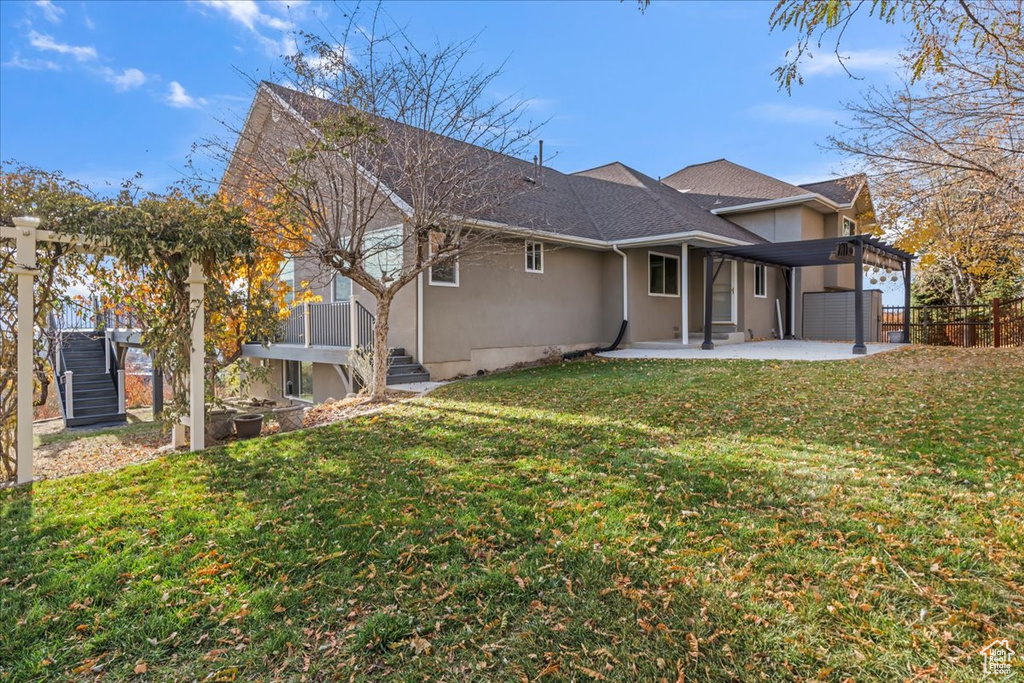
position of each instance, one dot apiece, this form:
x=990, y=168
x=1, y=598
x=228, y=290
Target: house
x=585, y=253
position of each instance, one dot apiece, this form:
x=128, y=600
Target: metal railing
x=328, y=324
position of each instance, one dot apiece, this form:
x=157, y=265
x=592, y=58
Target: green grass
x=631, y=520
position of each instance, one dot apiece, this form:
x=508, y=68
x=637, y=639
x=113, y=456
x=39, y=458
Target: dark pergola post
x=858, y=300
x=787, y=274
x=709, y=283
x=158, y=392
x=906, y=302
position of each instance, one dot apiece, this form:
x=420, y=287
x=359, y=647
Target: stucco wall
x=501, y=315
x=651, y=317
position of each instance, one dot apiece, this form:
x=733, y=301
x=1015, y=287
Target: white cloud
x=128, y=79
x=41, y=41
x=247, y=13
x=17, y=62
x=854, y=61
x=179, y=99
x=50, y=11
x=782, y=112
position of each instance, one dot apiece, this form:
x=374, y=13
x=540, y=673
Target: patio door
x=723, y=294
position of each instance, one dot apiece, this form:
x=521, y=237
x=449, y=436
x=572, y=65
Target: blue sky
x=101, y=90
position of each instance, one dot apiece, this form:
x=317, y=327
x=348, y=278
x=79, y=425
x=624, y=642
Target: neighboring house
x=585, y=251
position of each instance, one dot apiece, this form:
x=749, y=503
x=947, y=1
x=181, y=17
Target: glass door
x=723, y=299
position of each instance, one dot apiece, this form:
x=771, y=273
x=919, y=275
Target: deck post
x=353, y=324
x=307, y=325
x=858, y=300
x=25, y=269
x=69, y=394
x=196, y=373
x=906, y=302
x=709, y=283
x=120, y=391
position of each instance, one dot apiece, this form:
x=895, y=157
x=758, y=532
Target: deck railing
x=328, y=324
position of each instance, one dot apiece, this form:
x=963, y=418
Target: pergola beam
x=26, y=236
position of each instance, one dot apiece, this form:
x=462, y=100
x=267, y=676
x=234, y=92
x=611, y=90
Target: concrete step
x=400, y=360
x=397, y=351
x=404, y=368
x=409, y=378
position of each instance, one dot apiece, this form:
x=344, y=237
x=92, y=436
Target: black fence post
x=906, y=302
x=858, y=301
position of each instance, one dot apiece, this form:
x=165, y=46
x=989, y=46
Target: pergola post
x=858, y=300
x=197, y=356
x=787, y=274
x=906, y=301
x=25, y=269
x=158, y=391
x=709, y=283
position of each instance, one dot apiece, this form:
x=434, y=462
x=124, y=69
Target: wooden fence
x=995, y=324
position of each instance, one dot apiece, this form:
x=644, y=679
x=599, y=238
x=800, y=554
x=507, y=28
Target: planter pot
x=248, y=425
x=290, y=418
x=219, y=425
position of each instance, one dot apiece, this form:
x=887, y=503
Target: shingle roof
x=721, y=183
x=840, y=190
x=619, y=203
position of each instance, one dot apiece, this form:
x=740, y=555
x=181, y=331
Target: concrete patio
x=762, y=350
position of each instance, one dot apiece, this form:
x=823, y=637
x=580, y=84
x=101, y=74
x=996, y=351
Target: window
x=760, y=281
x=298, y=380
x=288, y=277
x=342, y=288
x=534, y=257
x=849, y=227
x=445, y=273
x=664, y=274
x=383, y=250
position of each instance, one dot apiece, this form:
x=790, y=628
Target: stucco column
x=197, y=354
x=25, y=269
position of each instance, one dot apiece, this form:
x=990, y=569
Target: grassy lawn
x=626, y=520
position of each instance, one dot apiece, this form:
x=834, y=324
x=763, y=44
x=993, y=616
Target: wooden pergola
x=26, y=234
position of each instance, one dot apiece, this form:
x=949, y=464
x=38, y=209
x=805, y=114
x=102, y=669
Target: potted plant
x=248, y=425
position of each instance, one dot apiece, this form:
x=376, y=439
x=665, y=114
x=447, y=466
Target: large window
x=383, y=250
x=534, y=257
x=298, y=380
x=849, y=227
x=342, y=288
x=664, y=274
x=760, y=281
x=445, y=273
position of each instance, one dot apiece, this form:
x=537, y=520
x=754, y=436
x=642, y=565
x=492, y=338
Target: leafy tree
x=389, y=120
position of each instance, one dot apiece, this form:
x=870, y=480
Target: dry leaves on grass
x=346, y=408
x=97, y=452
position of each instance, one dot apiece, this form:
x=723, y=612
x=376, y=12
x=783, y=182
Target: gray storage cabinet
x=828, y=316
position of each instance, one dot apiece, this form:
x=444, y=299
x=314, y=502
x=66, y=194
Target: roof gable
x=722, y=183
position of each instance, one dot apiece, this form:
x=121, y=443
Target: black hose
x=598, y=349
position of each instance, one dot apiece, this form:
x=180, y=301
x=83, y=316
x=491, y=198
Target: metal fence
x=994, y=324
x=327, y=324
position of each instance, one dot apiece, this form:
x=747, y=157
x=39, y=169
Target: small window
x=342, y=288
x=760, y=281
x=849, y=227
x=664, y=274
x=534, y=257
x=298, y=380
x=288, y=277
x=445, y=273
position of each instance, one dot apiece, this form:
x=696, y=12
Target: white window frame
x=853, y=227
x=539, y=255
x=430, y=278
x=762, y=281
x=678, y=278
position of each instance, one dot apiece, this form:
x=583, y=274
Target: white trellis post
x=197, y=357
x=25, y=268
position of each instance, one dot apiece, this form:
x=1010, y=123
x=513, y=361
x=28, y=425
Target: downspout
x=625, y=314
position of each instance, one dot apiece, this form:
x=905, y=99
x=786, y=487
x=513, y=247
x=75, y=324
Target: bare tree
x=376, y=133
